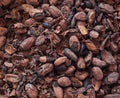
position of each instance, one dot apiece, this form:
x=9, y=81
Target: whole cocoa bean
x=81, y=16
x=97, y=73
x=70, y=54
x=81, y=63
x=54, y=11
x=106, y=8
x=37, y=14
x=107, y=57
x=57, y=90
x=60, y=61
x=45, y=69
x=31, y=90
x=40, y=40
x=98, y=62
x=70, y=70
x=45, y=59
x=94, y=34
x=27, y=43
x=64, y=81
x=81, y=75
x=76, y=82
x=91, y=46
x=74, y=43
x=112, y=78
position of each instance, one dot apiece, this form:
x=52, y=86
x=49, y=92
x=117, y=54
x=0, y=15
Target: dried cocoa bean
x=60, y=61
x=31, y=90
x=70, y=54
x=45, y=69
x=27, y=43
x=97, y=73
x=112, y=78
x=64, y=81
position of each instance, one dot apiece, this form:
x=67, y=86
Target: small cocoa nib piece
x=8, y=64
x=27, y=43
x=3, y=30
x=70, y=54
x=31, y=90
x=27, y=7
x=88, y=57
x=57, y=90
x=2, y=41
x=10, y=49
x=97, y=73
x=74, y=43
x=24, y=62
x=20, y=28
x=45, y=69
x=112, y=78
x=29, y=22
x=107, y=57
x=116, y=89
x=91, y=16
x=64, y=81
x=112, y=96
x=12, y=78
x=91, y=93
x=54, y=11
x=60, y=61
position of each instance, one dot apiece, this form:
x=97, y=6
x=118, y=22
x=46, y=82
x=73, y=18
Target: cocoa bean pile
x=59, y=48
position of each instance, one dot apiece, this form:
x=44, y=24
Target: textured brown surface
x=59, y=48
